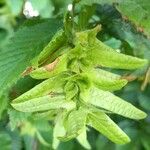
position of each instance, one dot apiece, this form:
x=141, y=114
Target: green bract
x=78, y=89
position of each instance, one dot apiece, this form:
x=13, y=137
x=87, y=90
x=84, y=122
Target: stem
x=69, y=22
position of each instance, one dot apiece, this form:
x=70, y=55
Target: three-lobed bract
x=78, y=87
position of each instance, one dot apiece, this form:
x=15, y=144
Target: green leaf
x=82, y=139
x=41, y=139
x=84, y=17
x=99, y=54
x=44, y=103
x=112, y=103
x=46, y=95
x=57, y=42
x=102, y=123
x=71, y=90
x=52, y=69
x=96, y=53
x=47, y=115
x=133, y=133
x=75, y=56
x=137, y=11
x=58, y=131
x=106, y=80
x=23, y=47
x=42, y=89
x=74, y=124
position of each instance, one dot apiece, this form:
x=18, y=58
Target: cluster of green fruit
x=77, y=88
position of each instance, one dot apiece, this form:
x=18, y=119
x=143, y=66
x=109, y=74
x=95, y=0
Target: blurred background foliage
x=24, y=131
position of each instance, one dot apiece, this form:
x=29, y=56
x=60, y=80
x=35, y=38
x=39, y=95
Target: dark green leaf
x=27, y=42
x=137, y=11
